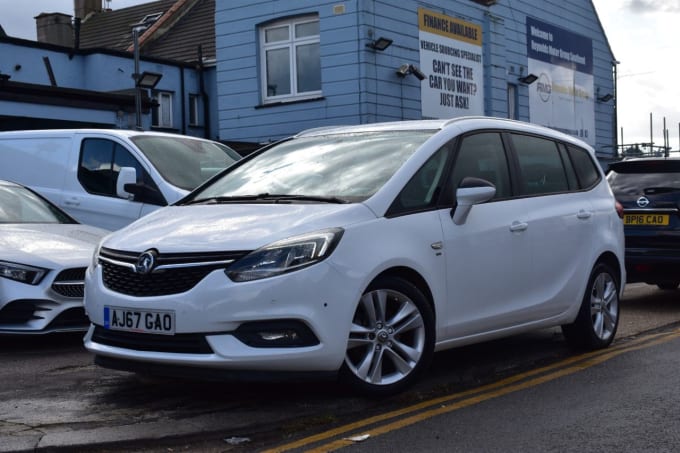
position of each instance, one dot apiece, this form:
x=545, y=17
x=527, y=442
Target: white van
x=109, y=178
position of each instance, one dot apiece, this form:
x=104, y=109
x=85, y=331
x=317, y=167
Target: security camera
x=417, y=72
x=404, y=70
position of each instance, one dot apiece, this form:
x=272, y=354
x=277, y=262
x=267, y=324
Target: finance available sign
x=451, y=59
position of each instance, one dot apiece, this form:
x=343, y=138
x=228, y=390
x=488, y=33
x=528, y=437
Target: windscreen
x=351, y=167
x=185, y=162
x=20, y=205
x=641, y=177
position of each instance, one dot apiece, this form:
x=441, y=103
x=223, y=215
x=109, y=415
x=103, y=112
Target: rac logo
x=544, y=87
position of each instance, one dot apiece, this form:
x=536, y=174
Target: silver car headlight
x=23, y=273
x=95, y=256
x=285, y=256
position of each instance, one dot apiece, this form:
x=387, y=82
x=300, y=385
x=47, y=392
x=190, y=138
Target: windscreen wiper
x=267, y=198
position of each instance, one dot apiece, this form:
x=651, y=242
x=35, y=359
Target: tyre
x=668, y=286
x=598, y=318
x=391, y=340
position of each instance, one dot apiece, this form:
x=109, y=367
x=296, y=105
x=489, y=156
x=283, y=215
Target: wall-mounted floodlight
x=380, y=44
x=528, y=79
x=606, y=98
x=407, y=69
x=148, y=80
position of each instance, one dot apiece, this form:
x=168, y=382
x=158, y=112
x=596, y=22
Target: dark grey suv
x=648, y=189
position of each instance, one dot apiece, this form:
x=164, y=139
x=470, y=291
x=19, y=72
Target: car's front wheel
x=391, y=339
x=598, y=318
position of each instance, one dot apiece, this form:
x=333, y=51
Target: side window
x=95, y=170
x=483, y=156
x=540, y=164
x=423, y=189
x=586, y=169
x=100, y=163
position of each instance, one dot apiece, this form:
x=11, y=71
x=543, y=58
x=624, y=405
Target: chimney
x=54, y=28
x=84, y=7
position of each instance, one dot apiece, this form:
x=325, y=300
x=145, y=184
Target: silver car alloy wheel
x=387, y=337
x=604, y=306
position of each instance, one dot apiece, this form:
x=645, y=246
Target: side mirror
x=126, y=177
x=471, y=191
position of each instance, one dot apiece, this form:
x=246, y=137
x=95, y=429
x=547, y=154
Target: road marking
x=430, y=408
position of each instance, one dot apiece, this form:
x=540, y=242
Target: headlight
x=22, y=273
x=95, y=256
x=285, y=256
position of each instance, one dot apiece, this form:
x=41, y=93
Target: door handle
x=584, y=215
x=72, y=202
x=518, y=226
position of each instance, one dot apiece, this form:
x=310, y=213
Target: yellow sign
x=450, y=27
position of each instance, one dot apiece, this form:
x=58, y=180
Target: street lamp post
x=144, y=80
x=135, y=76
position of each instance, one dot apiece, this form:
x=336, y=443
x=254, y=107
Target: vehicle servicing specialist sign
x=562, y=97
x=451, y=59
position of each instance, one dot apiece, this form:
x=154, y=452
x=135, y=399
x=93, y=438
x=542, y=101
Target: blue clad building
x=285, y=66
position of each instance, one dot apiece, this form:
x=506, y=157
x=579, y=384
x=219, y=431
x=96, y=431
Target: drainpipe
x=204, y=95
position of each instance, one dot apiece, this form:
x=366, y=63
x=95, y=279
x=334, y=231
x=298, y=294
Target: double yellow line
x=400, y=418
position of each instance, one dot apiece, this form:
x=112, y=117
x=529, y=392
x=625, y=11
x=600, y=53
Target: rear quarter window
x=586, y=169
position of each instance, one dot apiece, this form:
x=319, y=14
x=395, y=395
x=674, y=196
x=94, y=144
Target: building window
x=161, y=115
x=290, y=59
x=194, y=102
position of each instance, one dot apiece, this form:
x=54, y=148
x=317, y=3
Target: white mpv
x=363, y=250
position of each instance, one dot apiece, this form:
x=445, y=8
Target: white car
x=43, y=256
x=362, y=250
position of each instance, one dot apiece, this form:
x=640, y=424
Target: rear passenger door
x=560, y=222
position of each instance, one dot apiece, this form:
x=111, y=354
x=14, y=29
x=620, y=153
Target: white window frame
x=194, y=103
x=163, y=110
x=291, y=43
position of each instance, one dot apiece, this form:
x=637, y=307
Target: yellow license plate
x=646, y=219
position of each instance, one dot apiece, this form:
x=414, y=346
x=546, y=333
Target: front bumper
x=215, y=313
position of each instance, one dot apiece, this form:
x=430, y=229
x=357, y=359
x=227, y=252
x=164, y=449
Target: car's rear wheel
x=668, y=286
x=598, y=318
x=391, y=340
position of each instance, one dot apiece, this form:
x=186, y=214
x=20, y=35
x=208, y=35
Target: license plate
x=144, y=321
x=646, y=219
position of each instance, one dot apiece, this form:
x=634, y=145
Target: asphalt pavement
x=53, y=397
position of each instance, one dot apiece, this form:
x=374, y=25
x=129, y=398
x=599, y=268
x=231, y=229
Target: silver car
x=43, y=256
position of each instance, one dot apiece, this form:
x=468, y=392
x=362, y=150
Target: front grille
x=70, y=282
x=186, y=343
x=120, y=276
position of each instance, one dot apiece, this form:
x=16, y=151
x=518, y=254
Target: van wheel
x=598, y=318
x=391, y=340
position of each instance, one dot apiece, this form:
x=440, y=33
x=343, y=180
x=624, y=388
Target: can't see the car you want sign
x=451, y=59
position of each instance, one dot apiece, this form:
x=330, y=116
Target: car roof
x=463, y=124
x=115, y=132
